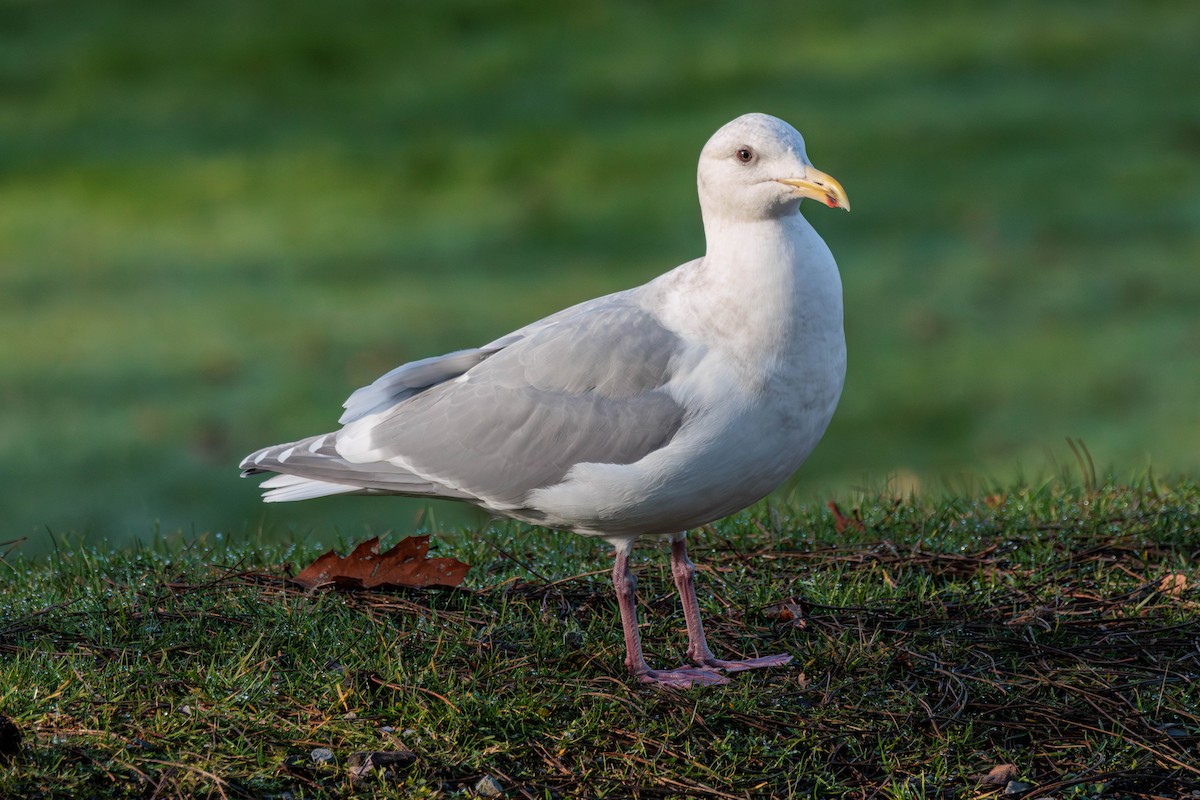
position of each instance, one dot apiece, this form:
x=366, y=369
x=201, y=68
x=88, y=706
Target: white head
x=755, y=168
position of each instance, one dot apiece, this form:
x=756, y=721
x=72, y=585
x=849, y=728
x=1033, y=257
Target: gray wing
x=587, y=385
x=415, y=377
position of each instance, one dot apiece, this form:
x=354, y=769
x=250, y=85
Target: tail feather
x=286, y=488
x=312, y=467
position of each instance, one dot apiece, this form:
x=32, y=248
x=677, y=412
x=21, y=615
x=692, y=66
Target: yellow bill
x=818, y=186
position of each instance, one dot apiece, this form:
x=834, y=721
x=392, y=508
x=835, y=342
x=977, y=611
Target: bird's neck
x=739, y=245
x=766, y=295
x=774, y=301
x=775, y=270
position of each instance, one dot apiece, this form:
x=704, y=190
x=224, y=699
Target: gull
x=649, y=411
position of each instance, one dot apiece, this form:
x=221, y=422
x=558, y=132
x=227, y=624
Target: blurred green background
x=218, y=218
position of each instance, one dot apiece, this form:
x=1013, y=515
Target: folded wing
x=586, y=385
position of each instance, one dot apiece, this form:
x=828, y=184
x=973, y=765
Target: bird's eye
x=745, y=154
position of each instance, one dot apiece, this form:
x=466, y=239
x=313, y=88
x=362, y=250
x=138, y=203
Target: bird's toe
x=749, y=663
x=683, y=677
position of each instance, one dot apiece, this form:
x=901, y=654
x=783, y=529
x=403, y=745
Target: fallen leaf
x=1173, y=585
x=405, y=565
x=489, y=787
x=999, y=775
x=841, y=521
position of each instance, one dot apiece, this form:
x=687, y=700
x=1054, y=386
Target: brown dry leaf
x=1173, y=585
x=406, y=564
x=841, y=521
x=788, y=612
x=1000, y=775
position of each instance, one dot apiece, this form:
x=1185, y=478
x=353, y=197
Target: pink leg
x=682, y=678
x=684, y=571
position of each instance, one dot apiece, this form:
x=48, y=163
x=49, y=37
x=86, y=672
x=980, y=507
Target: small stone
x=1016, y=787
x=487, y=786
x=387, y=729
x=322, y=755
x=349, y=715
x=185, y=710
x=1174, y=730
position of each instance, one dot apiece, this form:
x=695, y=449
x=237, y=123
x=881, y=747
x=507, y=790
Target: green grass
x=219, y=218
x=934, y=639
